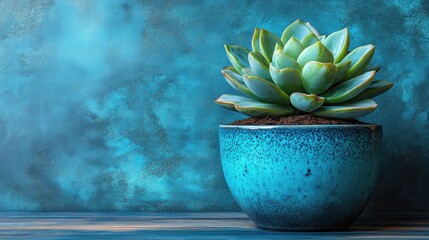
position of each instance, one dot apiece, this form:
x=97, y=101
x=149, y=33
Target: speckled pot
x=301, y=177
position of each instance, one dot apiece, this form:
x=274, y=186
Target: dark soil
x=302, y=119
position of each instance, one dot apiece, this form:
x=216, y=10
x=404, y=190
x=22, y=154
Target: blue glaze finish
x=301, y=177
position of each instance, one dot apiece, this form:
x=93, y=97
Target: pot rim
x=255, y=127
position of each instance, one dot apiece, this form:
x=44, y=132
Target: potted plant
x=301, y=161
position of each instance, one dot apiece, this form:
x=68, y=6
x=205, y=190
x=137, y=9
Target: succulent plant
x=302, y=71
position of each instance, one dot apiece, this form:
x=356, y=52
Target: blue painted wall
x=108, y=105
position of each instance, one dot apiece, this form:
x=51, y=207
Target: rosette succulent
x=302, y=71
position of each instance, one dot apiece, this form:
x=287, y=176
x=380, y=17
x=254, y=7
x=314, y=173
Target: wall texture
x=108, y=105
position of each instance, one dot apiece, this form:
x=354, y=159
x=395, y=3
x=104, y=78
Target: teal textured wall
x=108, y=105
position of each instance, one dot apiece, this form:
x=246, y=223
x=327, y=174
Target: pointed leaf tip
x=293, y=48
x=297, y=29
x=237, y=55
x=313, y=29
x=374, y=89
x=309, y=40
x=338, y=43
x=347, y=111
x=348, y=89
x=228, y=101
x=267, y=43
x=255, y=40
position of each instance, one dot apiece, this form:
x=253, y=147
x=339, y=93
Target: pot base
x=287, y=229
x=308, y=221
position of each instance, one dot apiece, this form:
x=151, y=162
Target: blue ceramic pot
x=301, y=177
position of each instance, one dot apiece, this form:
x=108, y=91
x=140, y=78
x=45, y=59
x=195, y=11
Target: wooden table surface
x=137, y=225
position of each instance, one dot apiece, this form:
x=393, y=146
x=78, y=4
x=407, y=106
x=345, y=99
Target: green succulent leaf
x=232, y=68
x=293, y=48
x=278, y=47
x=265, y=90
x=282, y=60
x=374, y=89
x=302, y=71
x=236, y=81
x=306, y=102
x=232, y=76
x=310, y=39
x=228, y=101
x=267, y=42
x=277, y=51
x=297, y=29
x=255, y=40
x=317, y=77
x=347, y=111
x=237, y=55
x=338, y=43
x=248, y=71
x=316, y=52
x=287, y=79
x=313, y=29
x=259, y=65
x=360, y=58
x=342, y=68
x=258, y=109
x=348, y=89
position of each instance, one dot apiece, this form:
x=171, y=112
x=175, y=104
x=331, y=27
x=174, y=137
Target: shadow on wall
x=108, y=105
